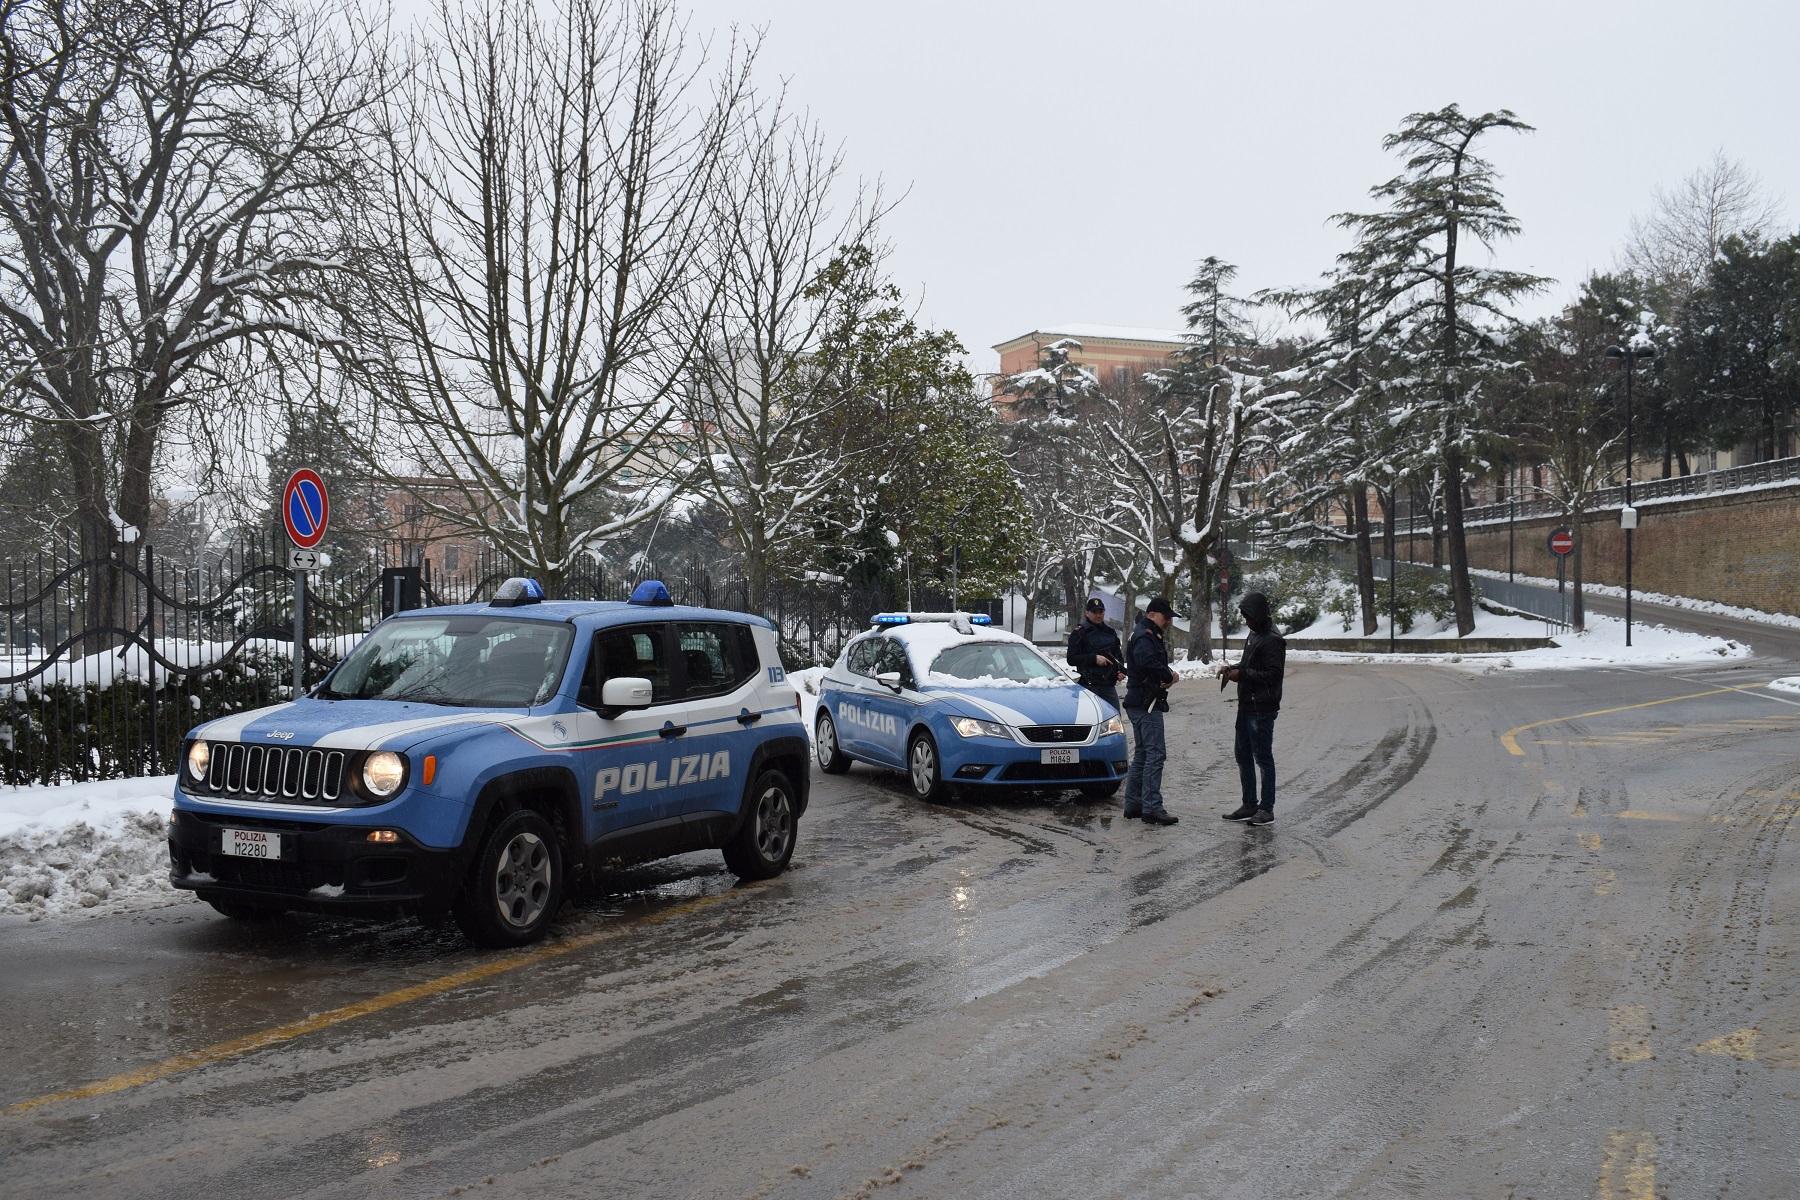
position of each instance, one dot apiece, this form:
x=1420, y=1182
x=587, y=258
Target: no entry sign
x=305, y=508
x=1562, y=542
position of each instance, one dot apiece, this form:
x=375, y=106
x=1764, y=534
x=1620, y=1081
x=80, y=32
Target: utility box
x=1628, y=517
x=402, y=589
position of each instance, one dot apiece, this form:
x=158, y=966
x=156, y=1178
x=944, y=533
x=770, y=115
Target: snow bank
x=94, y=848
x=1789, y=684
x=1603, y=644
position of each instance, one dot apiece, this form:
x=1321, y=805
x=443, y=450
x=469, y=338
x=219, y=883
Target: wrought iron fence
x=105, y=664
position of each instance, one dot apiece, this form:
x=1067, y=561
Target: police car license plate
x=1067, y=755
x=251, y=843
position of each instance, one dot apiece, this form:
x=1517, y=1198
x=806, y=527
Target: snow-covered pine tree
x=1740, y=340
x=1443, y=313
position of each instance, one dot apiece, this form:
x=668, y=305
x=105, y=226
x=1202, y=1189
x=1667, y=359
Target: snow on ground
x=1602, y=644
x=1786, y=620
x=92, y=848
x=1790, y=684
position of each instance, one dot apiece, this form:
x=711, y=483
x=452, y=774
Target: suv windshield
x=470, y=661
x=998, y=662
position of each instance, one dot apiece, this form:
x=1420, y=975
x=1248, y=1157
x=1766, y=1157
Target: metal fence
x=105, y=664
x=1778, y=470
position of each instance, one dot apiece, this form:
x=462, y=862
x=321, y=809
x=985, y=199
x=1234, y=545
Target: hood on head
x=1255, y=607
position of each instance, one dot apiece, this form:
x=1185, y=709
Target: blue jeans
x=1143, y=783
x=1256, y=748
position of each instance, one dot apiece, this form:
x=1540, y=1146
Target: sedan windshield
x=470, y=661
x=996, y=662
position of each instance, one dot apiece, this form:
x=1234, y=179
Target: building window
x=452, y=558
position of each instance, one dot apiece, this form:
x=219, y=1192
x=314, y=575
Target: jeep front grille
x=291, y=774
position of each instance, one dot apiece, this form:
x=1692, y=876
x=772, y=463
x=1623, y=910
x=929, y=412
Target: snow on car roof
x=930, y=637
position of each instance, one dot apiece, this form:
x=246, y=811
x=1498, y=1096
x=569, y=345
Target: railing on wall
x=1778, y=470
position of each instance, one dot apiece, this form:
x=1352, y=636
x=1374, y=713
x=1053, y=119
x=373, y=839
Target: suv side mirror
x=889, y=679
x=623, y=692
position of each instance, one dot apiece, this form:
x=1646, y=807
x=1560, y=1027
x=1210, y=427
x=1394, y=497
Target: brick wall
x=1739, y=549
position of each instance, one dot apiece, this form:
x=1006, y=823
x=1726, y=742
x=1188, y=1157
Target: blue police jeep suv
x=477, y=759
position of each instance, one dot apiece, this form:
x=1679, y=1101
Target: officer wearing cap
x=1094, y=652
x=1148, y=678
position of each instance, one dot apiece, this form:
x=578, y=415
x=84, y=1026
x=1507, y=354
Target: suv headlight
x=970, y=727
x=1111, y=726
x=199, y=759
x=383, y=772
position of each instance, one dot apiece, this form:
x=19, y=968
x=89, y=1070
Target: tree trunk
x=1365, y=560
x=1199, y=642
x=1460, y=592
x=1070, y=576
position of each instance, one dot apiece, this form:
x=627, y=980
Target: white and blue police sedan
x=953, y=702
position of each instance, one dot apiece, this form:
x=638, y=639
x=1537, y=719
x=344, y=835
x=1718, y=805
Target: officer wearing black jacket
x=1148, y=678
x=1258, y=676
x=1094, y=652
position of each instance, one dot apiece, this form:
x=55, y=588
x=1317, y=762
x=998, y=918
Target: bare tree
x=798, y=281
x=1687, y=225
x=556, y=173
x=169, y=174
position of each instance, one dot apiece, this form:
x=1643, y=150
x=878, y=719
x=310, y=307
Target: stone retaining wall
x=1738, y=548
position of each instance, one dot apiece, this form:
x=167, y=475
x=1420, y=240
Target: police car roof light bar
x=516, y=591
x=962, y=621
x=653, y=593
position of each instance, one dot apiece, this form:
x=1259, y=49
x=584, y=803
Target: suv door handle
x=749, y=718
x=671, y=729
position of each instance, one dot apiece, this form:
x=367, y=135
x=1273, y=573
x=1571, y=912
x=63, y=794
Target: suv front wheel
x=515, y=883
x=764, y=842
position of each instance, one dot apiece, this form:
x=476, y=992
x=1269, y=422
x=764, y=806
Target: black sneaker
x=1263, y=817
x=1240, y=814
x=1160, y=818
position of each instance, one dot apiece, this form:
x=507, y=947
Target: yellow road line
x=1510, y=739
x=362, y=1008
x=1628, y=1035
x=1628, y=1166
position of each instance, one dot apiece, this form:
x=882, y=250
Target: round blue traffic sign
x=305, y=508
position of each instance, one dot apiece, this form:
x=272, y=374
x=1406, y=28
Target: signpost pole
x=299, y=633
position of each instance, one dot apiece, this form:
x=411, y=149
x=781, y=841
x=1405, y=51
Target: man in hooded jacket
x=1258, y=676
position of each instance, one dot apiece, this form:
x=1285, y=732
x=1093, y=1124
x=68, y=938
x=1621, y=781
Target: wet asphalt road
x=1447, y=970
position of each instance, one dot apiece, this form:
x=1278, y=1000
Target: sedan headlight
x=199, y=759
x=970, y=727
x=383, y=772
x=1111, y=726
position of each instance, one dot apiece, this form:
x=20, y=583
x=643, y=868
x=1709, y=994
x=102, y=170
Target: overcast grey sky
x=1065, y=161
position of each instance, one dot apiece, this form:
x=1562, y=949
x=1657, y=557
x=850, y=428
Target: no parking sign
x=305, y=508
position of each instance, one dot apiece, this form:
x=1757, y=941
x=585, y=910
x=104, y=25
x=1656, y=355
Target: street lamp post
x=1628, y=357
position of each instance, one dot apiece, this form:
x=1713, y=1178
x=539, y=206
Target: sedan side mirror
x=890, y=679
x=624, y=692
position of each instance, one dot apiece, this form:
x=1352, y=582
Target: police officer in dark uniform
x=1146, y=700
x=1094, y=651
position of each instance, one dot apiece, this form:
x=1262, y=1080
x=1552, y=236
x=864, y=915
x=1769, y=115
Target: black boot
x=1241, y=813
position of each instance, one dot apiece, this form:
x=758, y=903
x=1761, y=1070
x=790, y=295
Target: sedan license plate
x=251, y=843
x=1068, y=755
